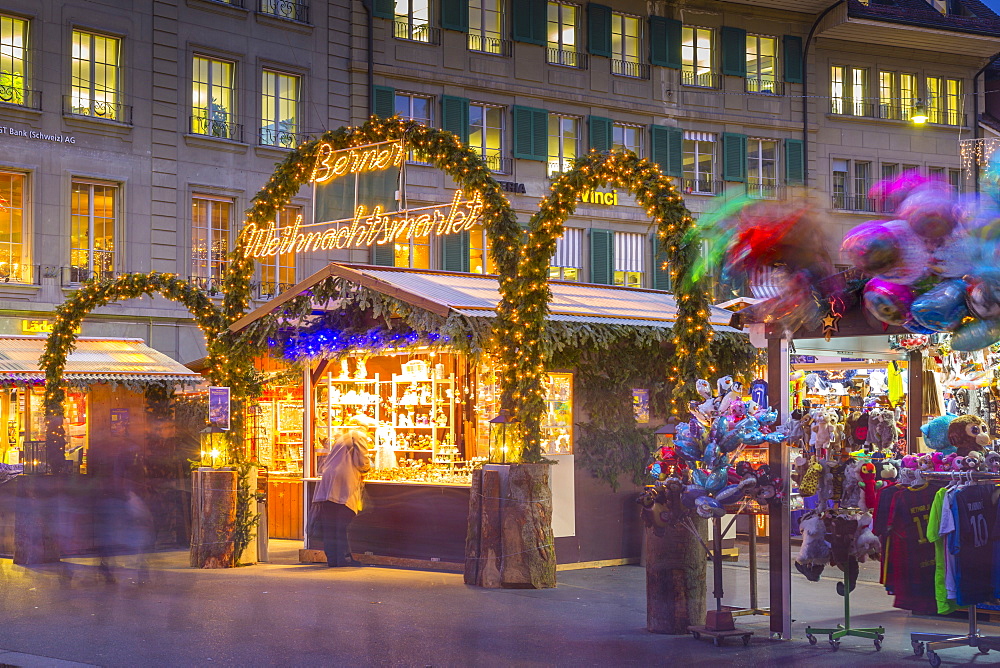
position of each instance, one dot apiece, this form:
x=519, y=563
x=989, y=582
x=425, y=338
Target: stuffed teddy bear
x=837, y=431
x=866, y=544
x=968, y=433
x=820, y=430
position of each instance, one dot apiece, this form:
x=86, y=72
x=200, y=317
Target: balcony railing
x=416, y=32
x=702, y=186
x=566, y=58
x=270, y=136
x=76, y=105
x=491, y=45
x=231, y=3
x=701, y=80
x=22, y=274
x=219, y=124
x=764, y=85
x=210, y=284
x=76, y=275
x=764, y=190
x=498, y=164
x=17, y=94
x=628, y=68
x=854, y=202
x=893, y=110
x=285, y=9
x=268, y=289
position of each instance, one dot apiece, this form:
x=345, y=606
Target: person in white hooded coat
x=339, y=493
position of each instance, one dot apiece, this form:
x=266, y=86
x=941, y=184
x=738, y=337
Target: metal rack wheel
x=696, y=635
x=878, y=645
x=717, y=641
x=746, y=640
x=933, y=658
x=918, y=647
x=835, y=644
x=983, y=649
x=811, y=638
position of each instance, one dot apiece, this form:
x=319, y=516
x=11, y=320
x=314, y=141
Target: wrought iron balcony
x=75, y=275
x=271, y=136
x=416, y=32
x=15, y=93
x=702, y=186
x=765, y=189
x=77, y=105
x=566, y=58
x=285, y=9
x=218, y=124
x=499, y=164
x=764, y=85
x=700, y=79
x=628, y=68
x=494, y=46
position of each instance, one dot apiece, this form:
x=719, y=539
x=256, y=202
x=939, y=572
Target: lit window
x=486, y=26
x=480, y=258
x=625, y=41
x=568, y=258
x=413, y=108
x=762, y=64
x=699, y=163
x=851, y=182
x=837, y=92
x=413, y=20
x=486, y=134
x=414, y=253
x=96, y=79
x=626, y=137
x=93, y=219
x=696, y=57
x=841, y=184
x=562, y=35
x=762, y=168
x=279, y=123
x=13, y=42
x=630, y=259
x=849, y=91
x=213, y=110
x=897, y=93
x=859, y=91
x=277, y=273
x=907, y=95
x=564, y=139
x=13, y=268
x=211, y=222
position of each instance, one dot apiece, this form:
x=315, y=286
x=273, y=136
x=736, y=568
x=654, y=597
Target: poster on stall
x=218, y=407
x=119, y=421
x=640, y=404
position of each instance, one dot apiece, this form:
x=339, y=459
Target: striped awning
x=699, y=136
x=630, y=251
x=569, y=249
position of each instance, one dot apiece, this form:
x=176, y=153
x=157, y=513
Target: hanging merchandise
x=758, y=392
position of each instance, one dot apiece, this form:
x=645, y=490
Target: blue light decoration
x=325, y=340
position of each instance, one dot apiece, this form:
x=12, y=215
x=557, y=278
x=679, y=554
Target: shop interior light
x=919, y=115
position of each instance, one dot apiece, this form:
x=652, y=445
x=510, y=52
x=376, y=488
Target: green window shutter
x=665, y=42
x=455, y=15
x=455, y=116
x=667, y=149
x=383, y=101
x=384, y=9
x=599, y=29
x=528, y=21
x=601, y=133
x=384, y=255
x=734, y=157
x=455, y=251
x=795, y=162
x=734, y=51
x=793, y=58
x=530, y=133
x=602, y=257
x=661, y=274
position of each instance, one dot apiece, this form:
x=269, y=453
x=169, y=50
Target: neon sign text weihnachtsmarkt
x=366, y=228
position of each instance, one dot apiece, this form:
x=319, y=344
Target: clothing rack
x=938, y=641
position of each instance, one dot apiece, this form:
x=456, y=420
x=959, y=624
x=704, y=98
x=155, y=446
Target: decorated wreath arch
x=657, y=194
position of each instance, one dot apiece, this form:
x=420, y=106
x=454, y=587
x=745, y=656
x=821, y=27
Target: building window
x=851, y=182
x=96, y=79
x=486, y=27
x=566, y=263
x=213, y=102
x=697, y=57
x=277, y=273
x=955, y=179
x=563, y=48
x=413, y=20
x=944, y=101
x=564, y=142
x=279, y=122
x=211, y=223
x=907, y=95
x=486, y=135
x=414, y=253
x=849, y=91
x=699, y=163
x=93, y=219
x=762, y=65
x=625, y=40
x=630, y=259
x=13, y=65
x=480, y=258
x=762, y=168
x=414, y=108
x=12, y=230
x=626, y=137
x=897, y=93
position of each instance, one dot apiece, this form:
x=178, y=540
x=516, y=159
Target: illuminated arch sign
x=372, y=223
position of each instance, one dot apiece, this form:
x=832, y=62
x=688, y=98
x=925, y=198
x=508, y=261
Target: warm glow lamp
x=501, y=421
x=919, y=115
x=209, y=448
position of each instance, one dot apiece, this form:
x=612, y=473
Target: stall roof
x=476, y=295
x=95, y=359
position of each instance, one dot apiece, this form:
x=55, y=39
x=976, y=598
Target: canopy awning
x=94, y=360
x=476, y=295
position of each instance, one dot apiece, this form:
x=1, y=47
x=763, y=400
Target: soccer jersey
x=973, y=508
x=912, y=566
x=944, y=604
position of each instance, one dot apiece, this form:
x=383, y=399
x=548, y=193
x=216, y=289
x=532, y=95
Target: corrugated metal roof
x=94, y=359
x=474, y=294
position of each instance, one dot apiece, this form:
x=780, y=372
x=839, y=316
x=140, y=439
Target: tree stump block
x=213, y=518
x=529, y=554
x=675, y=579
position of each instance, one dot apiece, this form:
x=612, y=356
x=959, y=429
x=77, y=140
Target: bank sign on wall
x=355, y=203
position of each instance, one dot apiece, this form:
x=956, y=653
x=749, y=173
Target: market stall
x=429, y=398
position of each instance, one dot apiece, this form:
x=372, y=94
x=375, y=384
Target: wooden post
x=529, y=552
x=675, y=579
x=213, y=514
x=914, y=399
x=779, y=546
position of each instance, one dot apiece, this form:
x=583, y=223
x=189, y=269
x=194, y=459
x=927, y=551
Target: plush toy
x=814, y=553
x=857, y=428
x=993, y=461
x=936, y=433
x=732, y=397
x=852, y=487
x=889, y=473
x=825, y=490
x=866, y=544
x=869, y=484
x=837, y=431
x=820, y=430
x=968, y=433
x=811, y=478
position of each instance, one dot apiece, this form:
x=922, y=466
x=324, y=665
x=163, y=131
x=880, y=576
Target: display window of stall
x=275, y=427
x=22, y=414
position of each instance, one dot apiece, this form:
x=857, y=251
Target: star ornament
x=831, y=323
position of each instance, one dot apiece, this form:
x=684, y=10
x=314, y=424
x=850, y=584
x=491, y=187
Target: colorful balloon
x=930, y=211
x=872, y=248
x=976, y=335
x=982, y=295
x=888, y=302
x=941, y=308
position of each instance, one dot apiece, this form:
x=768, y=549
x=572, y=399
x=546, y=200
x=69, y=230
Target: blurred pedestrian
x=338, y=494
